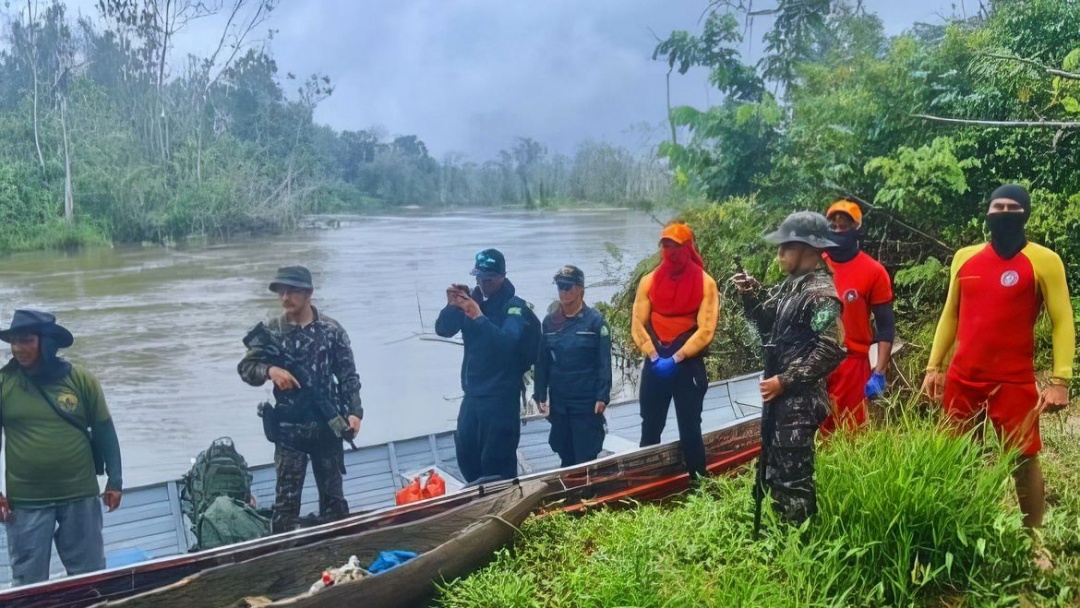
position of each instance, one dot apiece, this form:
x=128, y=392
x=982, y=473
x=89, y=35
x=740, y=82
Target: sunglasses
x=565, y=286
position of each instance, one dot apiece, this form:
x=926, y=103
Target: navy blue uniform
x=489, y=421
x=574, y=368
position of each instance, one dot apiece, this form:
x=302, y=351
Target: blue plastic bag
x=390, y=559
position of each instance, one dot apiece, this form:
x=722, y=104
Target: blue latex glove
x=875, y=385
x=665, y=367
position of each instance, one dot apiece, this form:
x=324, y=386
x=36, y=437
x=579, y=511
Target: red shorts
x=847, y=391
x=1009, y=406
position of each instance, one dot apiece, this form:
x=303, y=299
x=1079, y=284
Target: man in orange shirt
x=865, y=291
x=674, y=319
x=996, y=292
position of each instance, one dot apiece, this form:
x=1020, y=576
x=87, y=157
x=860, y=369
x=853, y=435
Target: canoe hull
x=450, y=544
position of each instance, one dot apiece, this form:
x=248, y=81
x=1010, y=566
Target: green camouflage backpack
x=227, y=521
x=219, y=471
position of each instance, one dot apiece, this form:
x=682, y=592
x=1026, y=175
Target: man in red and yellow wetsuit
x=995, y=295
x=674, y=319
x=865, y=290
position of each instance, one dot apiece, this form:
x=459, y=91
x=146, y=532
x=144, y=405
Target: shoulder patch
x=514, y=310
x=604, y=331
x=826, y=313
x=69, y=401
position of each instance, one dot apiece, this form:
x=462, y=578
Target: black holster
x=270, y=425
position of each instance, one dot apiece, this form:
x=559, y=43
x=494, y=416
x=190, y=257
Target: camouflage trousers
x=291, y=467
x=789, y=462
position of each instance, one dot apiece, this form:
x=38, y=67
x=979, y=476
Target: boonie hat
x=296, y=277
x=37, y=322
x=803, y=227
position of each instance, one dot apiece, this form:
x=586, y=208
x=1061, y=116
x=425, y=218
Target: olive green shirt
x=48, y=459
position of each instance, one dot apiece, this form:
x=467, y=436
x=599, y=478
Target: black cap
x=297, y=277
x=570, y=274
x=489, y=262
x=40, y=323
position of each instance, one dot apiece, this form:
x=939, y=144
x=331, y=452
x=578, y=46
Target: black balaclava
x=1007, y=229
x=51, y=368
x=847, y=245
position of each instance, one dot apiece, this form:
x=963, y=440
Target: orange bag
x=410, y=493
x=436, y=486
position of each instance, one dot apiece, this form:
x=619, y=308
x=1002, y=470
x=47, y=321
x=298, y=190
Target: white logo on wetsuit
x=1009, y=278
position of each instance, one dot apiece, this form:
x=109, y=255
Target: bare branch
x=1012, y=124
x=1045, y=68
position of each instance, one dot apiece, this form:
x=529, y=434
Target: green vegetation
x=909, y=516
x=108, y=135
x=837, y=108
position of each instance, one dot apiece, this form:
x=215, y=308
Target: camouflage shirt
x=801, y=317
x=322, y=359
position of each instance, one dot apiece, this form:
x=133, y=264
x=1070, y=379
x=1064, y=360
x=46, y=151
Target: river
x=162, y=328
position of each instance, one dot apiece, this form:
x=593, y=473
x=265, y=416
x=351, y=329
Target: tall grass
x=54, y=234
x=909, y=516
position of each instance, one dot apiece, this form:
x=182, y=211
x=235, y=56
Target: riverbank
x=909, y=516
x=56, y=234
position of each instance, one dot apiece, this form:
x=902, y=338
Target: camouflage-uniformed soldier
x=308, y=357
x=799, y=324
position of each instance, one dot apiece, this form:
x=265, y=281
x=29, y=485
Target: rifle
x=768, y=426
x=267, y=347
x=768, y=420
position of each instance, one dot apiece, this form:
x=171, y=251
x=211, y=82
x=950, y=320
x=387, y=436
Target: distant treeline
x=106, y=134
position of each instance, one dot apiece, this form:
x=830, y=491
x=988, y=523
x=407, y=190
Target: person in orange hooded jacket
x=674, y=319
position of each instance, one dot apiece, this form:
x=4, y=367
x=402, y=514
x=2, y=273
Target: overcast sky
x=470, y=75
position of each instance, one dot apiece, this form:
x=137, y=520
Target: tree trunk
x=69, y=198
x=34, y=69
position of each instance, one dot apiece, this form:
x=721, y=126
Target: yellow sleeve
x=1050, y=275
x=642, y=310
x=945, y=335
x=707, y=316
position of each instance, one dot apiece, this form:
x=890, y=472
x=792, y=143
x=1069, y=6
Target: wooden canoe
x=87, y=589
x=450, y=544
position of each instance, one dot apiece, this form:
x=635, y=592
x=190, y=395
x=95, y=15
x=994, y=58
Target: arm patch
x=825, y=316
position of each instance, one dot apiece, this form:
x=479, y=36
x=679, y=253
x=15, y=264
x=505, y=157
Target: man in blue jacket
x=493, y=323
x=575, y=366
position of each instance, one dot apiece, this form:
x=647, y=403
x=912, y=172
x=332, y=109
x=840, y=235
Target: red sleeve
x=881, y=287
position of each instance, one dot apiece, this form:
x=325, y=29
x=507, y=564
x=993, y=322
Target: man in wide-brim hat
x=799, y=323
x=60, y=437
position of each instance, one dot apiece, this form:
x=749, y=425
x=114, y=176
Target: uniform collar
x=291, y=326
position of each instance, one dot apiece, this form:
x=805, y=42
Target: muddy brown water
x=161, y=328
